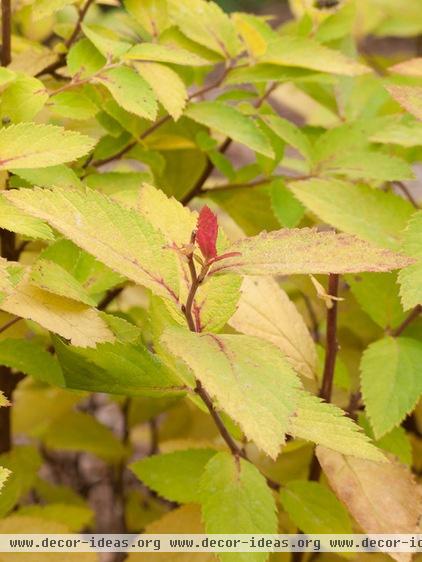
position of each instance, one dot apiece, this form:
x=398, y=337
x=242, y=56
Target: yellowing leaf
x=167, y=85
x=305, y=250
x=72, y=320
x=75, y=517
x=391, y=382
x=265, y=311
x=409, y=97
x=152, y=52
x=119, y=237
x=290, y=133
x=248, y=377
x=411, y=277
x=23, y=99
x=383, y=498
x=28, y=145
x=308, y=53
x=207, y=24
x=105, y=41
x=235, y=498
x=4, y=475
x=231, y=122
x=382, y=216
x=411, y=67
x=327, y=425
x=151, y=14
x=130, y=91
x=15, y=220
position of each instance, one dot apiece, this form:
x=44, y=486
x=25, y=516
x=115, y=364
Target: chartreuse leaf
x=23, y=464
x=255, y=32
x=74, y=105
x=151, y=14
x=130, y=91
x=75, y=517
x=31, y=359
x=235, y=498
x=53, y=278
x=327, y=425
x=231, y=122
x=175, y=476
x=29, y=145
x=248, y=377
x=167, y=86
x=396, y=441
x=382, y=498
x=23, y=99
x=72, y=320
x=206, y=24
x=4, y=475
x=404, y=133
x=314, y=508
x=265, y=311
x=411, y=278
x=84, y=58
x=216, y=299
x=288, y=210
x=120, y=368
x=152, y=52
x=377, y=294
x=94, y=277
x=308, y=53
x=119, y=237
x=390, y=381
x=409, y=97
x=290, y=133
x=52, y=176
x=44, y=8
x=76, y=431
x=105, y=41
x=382, y=216
x=305, y=250
x=15, y=220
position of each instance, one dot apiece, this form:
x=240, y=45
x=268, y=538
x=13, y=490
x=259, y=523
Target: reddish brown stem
x=410, y=318
x=6, y=32
x=404, y=189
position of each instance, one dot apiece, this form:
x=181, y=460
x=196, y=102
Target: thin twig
x=404, y=189
x=408, y=320
x=9, y=324
x=6, y=34
x=81, y=15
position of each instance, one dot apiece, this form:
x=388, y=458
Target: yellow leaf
x=411, y=67
x=383, y=498
x=409, y=97
x=265, y=311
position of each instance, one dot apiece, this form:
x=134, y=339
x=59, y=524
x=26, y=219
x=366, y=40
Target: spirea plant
x=211, y=270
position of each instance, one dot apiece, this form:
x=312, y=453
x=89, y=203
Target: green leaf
x=314, y=508
x=206, y=24
x=43, y=8
x=15, y=220
x=73, y=105
x=119, y=237
x=327, y=425
x=391, y=385
x=53, y=176
x=28, y=145
x=105, y=41
x=308, y=53
x=31, y=359
x=406, y=133
x=118, y=368
x=248, y=377
x=265, y=311
x=167, y=85
x=381, y=218
x=23, y=99
x=411, y=278
x=174, y=476
x=305, y=250
x=53, y=278
x=396, y=441
x=152, y=52
x=84, y=59
x=236, y=499
x=291, y=134
x=76, y=431
x=288, y=210
x=130, y=91
x=377, y=294
x=231, y=122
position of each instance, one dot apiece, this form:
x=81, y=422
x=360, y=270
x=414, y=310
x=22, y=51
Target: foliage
x=210, y=275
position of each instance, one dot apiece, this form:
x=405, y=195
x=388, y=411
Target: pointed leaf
x=207, y=232
x=409, y=97
x=265, y=311
x=15, y=220
x=248, y=377
x=305, y=250
x=164, y=53
x=411, y=278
